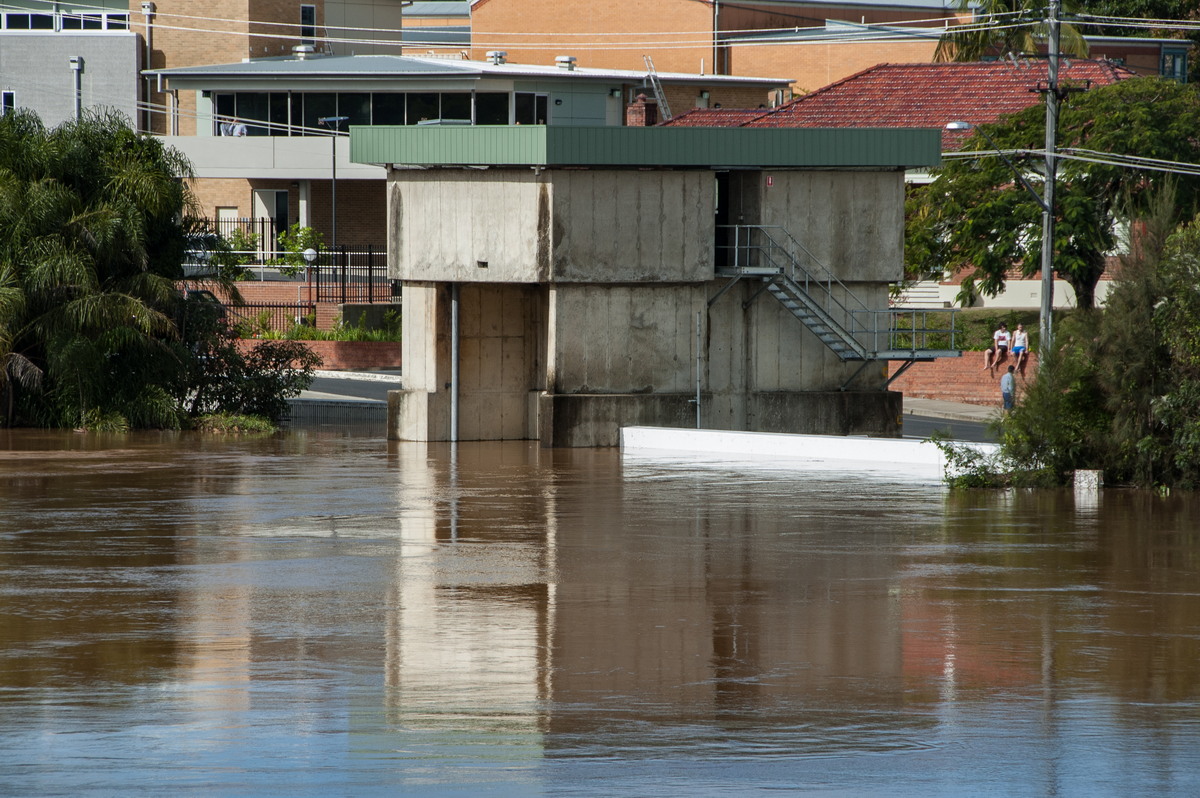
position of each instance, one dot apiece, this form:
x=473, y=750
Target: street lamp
x=1046, y=203
x=310, y=257
x=332, y=123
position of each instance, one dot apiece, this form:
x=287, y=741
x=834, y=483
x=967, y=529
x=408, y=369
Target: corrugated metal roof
x=644, y=147
x=398, y=66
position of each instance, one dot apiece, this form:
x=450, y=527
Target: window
x=456, y=106
x=1174, y=65
x=531, y=109
x=308, y=23
x=355, y=106
x=423, y=108
x=8, y=102
x=387, y=109
x=491, y=108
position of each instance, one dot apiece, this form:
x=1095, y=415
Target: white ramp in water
x=906, y=457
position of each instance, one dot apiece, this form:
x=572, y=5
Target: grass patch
x=224, y=424
x=976, y=325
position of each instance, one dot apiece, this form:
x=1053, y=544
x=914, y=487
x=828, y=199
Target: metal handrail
x=756, y=250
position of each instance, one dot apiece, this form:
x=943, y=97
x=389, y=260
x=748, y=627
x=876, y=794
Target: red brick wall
x=278, y=292
x=960, y=379
x=351, y=355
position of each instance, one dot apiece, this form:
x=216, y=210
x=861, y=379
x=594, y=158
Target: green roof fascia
x=539, y=145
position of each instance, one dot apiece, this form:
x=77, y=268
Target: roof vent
x=565, y=62
x=304, y=51
x=497, y=56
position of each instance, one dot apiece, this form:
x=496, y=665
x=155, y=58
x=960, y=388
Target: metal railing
x=255, y=319
x=766, y=250
x=354, y=276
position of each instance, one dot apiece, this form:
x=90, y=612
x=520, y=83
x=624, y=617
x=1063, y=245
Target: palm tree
x=91, y=240
x=1001, y=27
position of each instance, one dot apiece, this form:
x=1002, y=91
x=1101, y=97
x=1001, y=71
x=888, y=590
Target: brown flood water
x=317, y=614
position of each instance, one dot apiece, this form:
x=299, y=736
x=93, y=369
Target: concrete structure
x=560, y=283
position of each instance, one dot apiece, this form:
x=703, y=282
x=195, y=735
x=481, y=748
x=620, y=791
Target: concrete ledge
x=893, y=456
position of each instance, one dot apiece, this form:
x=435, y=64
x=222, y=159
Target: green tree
x=1121, y=391
x=95, y=221
x=976, y=217
x=1001, y=27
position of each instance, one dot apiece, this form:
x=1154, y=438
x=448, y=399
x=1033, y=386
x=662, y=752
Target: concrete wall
x=852, y=222
x=443, y=224
x=36, y=67
x=632, y=226
x=624, y=338
x=559, y=226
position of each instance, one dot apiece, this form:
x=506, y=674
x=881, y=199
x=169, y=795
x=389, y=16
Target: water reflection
x=311, y=613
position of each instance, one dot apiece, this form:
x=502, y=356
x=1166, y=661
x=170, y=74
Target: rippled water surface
x=315, y=614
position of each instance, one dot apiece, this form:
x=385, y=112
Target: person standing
x=998, y=349
x=1008, y=389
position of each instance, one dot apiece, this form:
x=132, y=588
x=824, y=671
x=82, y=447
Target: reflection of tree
x=1118, y=592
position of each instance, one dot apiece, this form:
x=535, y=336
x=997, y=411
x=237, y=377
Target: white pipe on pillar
x=77, y=84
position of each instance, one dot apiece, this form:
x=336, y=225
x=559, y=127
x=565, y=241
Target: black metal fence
x=355, y=276
x=256, y=319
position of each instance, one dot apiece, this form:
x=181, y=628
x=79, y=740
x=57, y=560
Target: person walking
x=1008, y=389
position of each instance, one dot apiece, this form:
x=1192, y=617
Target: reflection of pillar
x=467, y=616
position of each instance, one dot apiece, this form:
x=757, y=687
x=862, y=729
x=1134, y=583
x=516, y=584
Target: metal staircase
x=826, y=306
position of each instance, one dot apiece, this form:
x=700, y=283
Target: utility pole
x=1052, y=100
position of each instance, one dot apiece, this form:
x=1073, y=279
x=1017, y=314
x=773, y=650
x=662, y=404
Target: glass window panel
x=387, y=109
x=491, y=108
x=279, y=113
x=524, y=109
x=541, y=106
x=253, y=106
x=41, y=21
x=316, y=106
x=456, y=106
x=422, y=108
x=297, y=113
x=308, y=23
x=357, y=107
x=118, y=22
x=225, y=109
x=71, y=22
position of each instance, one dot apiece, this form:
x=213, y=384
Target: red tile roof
x=916, y=95
x=716, y=117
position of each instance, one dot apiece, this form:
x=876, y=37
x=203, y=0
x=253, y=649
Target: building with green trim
x=560, y=283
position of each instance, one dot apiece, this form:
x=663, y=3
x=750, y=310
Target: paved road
x=923, y=426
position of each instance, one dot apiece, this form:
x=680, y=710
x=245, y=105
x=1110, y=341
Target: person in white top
x=1020, y=345
x=999, y=348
